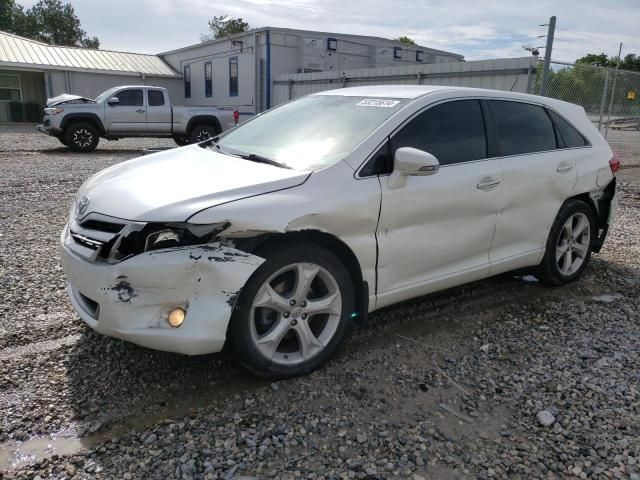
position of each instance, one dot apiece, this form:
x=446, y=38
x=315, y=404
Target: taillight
x=614, y=163
x=236, y=115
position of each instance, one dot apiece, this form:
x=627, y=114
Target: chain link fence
x=610, y=97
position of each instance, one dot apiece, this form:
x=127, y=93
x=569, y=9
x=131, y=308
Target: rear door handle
x=140, y=110
x=564, y=167
x=488, y=183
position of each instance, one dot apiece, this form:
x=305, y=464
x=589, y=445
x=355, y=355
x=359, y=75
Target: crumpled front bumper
x=48, y=129
x=131, y=300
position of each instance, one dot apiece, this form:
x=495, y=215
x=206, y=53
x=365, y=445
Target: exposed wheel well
x=335, y=246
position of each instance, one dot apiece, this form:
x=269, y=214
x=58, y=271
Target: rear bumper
x=131, y=300
x=607, y=212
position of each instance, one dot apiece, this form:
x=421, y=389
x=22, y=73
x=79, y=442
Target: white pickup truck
x=131, y=111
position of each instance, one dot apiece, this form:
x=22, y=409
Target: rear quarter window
x=568, y=136
x=522, y=128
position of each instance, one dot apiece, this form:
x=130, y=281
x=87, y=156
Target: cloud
x=488, y=29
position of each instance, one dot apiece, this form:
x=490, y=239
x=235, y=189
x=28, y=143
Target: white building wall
x=291, y=51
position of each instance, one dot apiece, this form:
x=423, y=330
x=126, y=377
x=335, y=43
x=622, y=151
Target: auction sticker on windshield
x=377, y=102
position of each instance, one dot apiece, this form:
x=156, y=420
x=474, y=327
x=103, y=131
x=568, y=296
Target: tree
x=406, y=40
x=48, y=21
x=223, y=26
x=11, y=17
x=630, y=62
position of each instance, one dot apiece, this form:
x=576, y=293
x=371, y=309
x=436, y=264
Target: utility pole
x=547, y=55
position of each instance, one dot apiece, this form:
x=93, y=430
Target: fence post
x=603, y=102
x=419, y=78
x=290, y=89
x=613, y=90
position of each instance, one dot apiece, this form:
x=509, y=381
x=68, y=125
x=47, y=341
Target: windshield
x=312, y=132
x=107, y=94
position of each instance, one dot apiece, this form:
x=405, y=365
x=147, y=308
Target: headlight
x=179, y=235
x=53, y=110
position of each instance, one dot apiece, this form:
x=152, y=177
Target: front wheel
x=293, y=313
x=569, y=245
x=81, y=137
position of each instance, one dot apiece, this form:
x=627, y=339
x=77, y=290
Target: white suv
x=279, y=234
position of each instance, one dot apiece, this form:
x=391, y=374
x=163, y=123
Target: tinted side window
x=453, y=132
x=130, y=98
x=522, y=128
x=568, y=137
x=156, y=98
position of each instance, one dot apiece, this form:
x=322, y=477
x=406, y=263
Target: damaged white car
x=278, y=235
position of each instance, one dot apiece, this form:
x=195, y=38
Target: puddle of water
x=14, y=455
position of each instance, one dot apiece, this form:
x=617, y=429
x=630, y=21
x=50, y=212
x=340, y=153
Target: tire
x=567, y=251
x=81, y=137
x=62, y=140
x=276, y=339
x=200, y=133
x=180, y=140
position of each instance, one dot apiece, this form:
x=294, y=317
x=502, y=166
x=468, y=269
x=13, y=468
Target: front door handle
x=140, y=110
x=564, y=167
x=488, y=183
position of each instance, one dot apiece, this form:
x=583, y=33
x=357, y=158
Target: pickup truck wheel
x=180, y=140
x=202, y=133
x=62, y=140
x=81, y=137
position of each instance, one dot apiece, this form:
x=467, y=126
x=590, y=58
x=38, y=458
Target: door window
x=156, y=98
x=130, y=98
x=454, y=132
x=522, y=128
x=568, y=137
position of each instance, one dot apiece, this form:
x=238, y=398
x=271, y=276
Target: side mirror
x=411, y=161
x=113, y=101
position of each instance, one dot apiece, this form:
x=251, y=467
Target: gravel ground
x=502, y=378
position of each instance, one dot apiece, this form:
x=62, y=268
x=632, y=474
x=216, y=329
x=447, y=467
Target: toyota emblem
x=82, y=206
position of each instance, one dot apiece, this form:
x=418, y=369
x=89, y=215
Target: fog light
x=176, y=317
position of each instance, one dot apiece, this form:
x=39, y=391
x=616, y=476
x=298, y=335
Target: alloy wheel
x=295, y=313
x=573, y=244
x=82, y=137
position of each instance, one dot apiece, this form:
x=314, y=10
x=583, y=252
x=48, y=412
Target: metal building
x=240, y=70
x=31, y=72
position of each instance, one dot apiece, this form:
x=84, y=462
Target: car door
x=436, y=230
x=158, y=112
x=537, y=178
x=128, y=115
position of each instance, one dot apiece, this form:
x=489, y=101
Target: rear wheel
x=569, y=244
x=200, y=133
x=81, y=137
x=293, y=313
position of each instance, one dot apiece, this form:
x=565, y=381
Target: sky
x=476, y=29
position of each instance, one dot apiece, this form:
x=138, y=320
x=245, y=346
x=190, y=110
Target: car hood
x=66, y=98
x=172, y=185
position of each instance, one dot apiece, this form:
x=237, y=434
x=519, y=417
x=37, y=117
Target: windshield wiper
x=260, y=159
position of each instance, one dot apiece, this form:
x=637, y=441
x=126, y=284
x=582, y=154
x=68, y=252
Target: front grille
x=109, y=227
x=86, y=241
